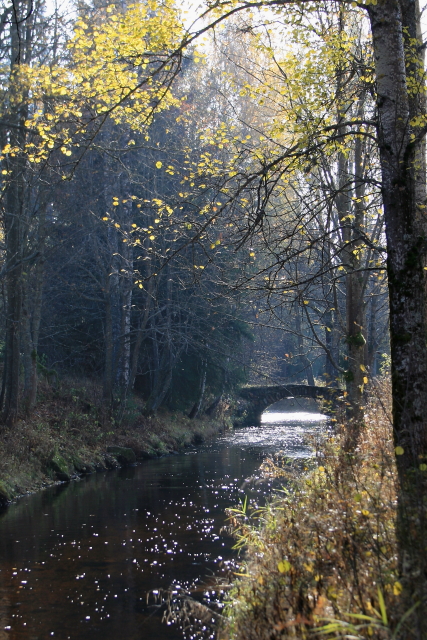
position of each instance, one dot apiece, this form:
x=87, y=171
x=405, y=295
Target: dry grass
x=323, y=555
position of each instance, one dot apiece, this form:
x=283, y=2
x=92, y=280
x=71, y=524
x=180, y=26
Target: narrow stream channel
x=77, y=560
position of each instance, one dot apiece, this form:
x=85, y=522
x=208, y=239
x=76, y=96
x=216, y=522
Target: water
x=77, y=560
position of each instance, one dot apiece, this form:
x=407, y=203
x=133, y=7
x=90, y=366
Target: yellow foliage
x=116, y=69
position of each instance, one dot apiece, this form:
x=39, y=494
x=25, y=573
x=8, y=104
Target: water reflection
x=76, y=561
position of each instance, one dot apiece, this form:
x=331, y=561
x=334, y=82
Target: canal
x=78, y=560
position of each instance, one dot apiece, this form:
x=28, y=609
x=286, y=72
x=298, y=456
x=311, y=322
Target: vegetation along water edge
x=67, y=437
x=320, y=559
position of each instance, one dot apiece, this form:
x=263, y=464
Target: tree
x=400, y=120
x=52, y=110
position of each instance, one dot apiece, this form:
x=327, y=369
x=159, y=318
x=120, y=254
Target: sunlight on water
x=287, y=432
x=297, y=416
x=81, y=560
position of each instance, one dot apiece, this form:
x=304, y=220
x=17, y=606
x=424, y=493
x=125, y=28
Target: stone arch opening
x=256, y=399
x=293, y=405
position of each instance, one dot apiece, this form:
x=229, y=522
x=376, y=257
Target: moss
x=124, y=455
x=58, y=465
x=198, y=438
x=82, y=467
x=60, y=440
x=356, y=340
x=6, y=494
x=348, y=376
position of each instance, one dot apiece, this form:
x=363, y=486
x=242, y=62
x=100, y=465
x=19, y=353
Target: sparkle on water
x=296, y=416
x=77, y=561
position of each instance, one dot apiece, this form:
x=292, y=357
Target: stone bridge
x=258, y=399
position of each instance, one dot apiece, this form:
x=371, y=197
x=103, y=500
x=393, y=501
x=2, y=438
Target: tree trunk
x=331, y=341
x=402, y=157
x=13, y=237
x=140, y=335
x=305, y=362
x=354, y=324
x=355, y=307
x=126, y=276
x=107, y=391
x=198, y=404
x=32, y=317
x=15, y=193
x=123, y=367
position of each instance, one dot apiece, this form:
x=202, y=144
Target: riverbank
x=321, y=559
x=67, y=436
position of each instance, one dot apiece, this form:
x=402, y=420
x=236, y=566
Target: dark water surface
x=77, y=560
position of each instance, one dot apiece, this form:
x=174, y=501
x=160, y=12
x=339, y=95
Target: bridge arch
x=258, y=398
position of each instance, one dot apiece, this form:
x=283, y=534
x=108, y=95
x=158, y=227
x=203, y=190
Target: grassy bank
x=67, y=436
x=321, y=558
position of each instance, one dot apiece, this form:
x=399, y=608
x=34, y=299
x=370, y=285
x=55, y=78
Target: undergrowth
x=321, y=557
x=68, y=422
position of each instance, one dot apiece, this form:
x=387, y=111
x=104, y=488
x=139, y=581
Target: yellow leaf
x=399, y=451
x=159, y=164
x=365, y=380
x=362, y=368
x=397, y=588
x=284, y=566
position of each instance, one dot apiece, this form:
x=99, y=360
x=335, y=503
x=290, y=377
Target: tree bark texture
x=355, y=340
x=13, y=220
x=305, y=362
x=198, y=404
x=404, y=198
x=32, y=311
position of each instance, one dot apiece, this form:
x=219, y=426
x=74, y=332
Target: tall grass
x=321, y=558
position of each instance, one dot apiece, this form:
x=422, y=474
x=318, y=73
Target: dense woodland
x=189, y=208
x=144, y=254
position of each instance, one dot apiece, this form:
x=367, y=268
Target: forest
x=193, y=200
